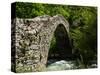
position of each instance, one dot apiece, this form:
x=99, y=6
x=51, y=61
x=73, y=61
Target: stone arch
x=32, y=40
x=52, y=25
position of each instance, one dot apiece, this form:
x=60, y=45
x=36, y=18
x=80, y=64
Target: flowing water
x=57, y=65
x=54, y=65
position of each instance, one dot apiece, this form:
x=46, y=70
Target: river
x=54, y=65
x=57, y=65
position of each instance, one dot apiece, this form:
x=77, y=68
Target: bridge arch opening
x=60, y=47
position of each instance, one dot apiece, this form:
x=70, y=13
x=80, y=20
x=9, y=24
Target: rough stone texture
x=31, y=41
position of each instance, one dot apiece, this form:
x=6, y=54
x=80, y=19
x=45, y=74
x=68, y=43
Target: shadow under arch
x=60, y=46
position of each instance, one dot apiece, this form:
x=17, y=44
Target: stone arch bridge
x=31, y=41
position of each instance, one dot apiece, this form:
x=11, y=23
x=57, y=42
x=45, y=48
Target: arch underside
x=60, y=47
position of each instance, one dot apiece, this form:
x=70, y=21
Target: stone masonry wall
x=31, y=41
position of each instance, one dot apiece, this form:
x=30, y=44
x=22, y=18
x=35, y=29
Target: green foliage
x=85, y=34
x=30, y=10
